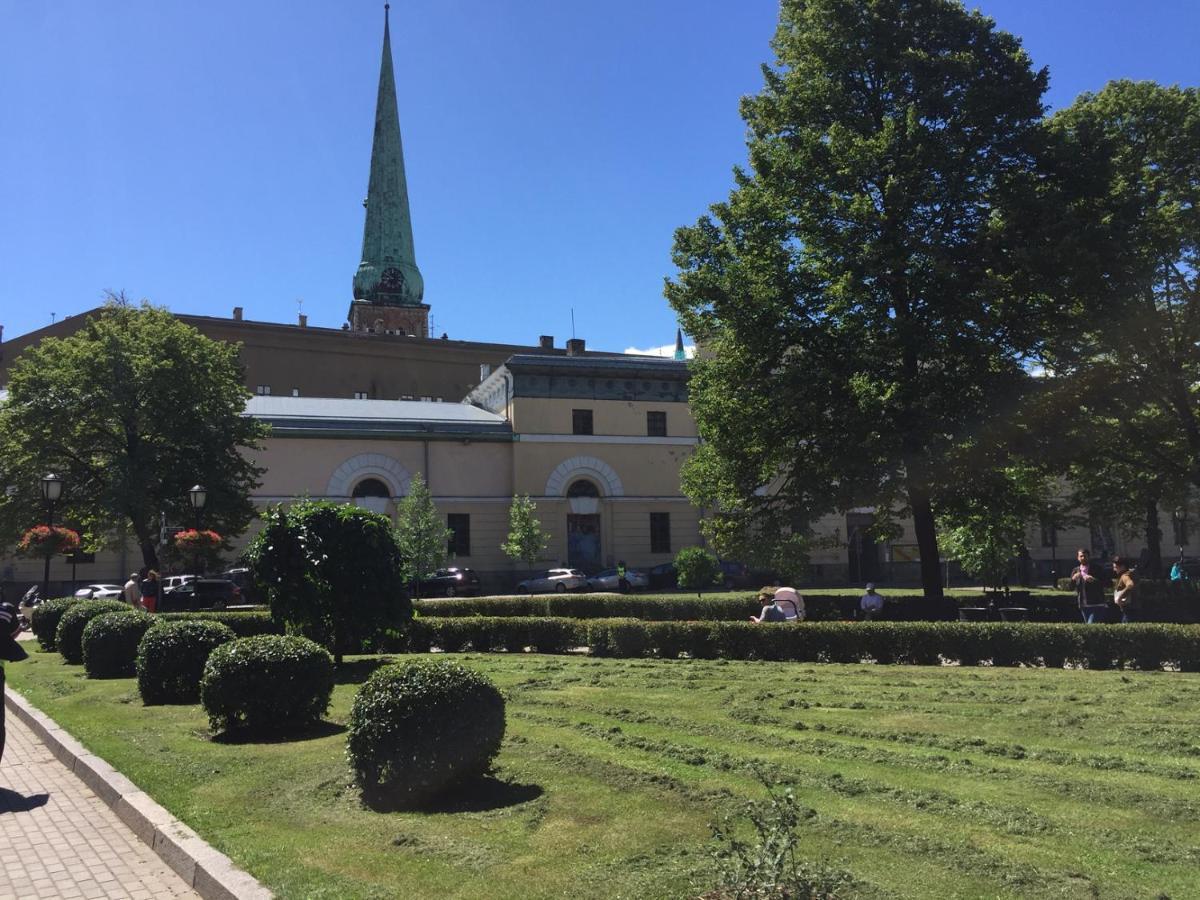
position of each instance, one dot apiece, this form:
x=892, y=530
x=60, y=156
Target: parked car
x=101, y=591
x=735, y=575
x=451, y=582
x=202, y=593
x=663, y=575
x=558, y=580
x=245, y=583
x=173, y=581
x=609, y=581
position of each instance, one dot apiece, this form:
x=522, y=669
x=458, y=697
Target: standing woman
x=150, y=591
x=1125, y=590
x=10, y=651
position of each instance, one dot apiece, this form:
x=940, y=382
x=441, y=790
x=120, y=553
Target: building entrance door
x=583, y=542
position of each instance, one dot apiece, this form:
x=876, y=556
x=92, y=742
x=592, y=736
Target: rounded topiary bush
x=69, y=635
x=417, y=727
x=267, y=683
x=45, y=618
x=171, y=658
x=110, y=642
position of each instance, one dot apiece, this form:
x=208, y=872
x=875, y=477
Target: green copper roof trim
x=388, y=274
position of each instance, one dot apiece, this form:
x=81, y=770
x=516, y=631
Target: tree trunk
x=1153, y=564
x=149, y=552
x=926, y=531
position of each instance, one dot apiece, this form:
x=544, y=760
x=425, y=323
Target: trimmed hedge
x=171, y=658
x=1145, y=646
x=243, y=624
x=69, y=635
x=110, y=642
x=269, y=683
x=45, y=618
x=418, y=727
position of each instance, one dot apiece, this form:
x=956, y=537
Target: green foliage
x=45, y=618
x=770, y=866
x=243, y=624
x=418, y=727
x=266, y=684
x=526, y=536
x=332, y=572
x=68, y=637
x=131, y=410
x=697, y=568
x=110, y=642
x=171, y=658
x=908, y=643
x=421, y=532
x=870, y=287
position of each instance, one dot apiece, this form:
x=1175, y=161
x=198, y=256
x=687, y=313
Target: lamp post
x=198, y=496
x=1180, y=518
x=51, y=490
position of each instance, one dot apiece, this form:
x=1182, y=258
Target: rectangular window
x=295, y=392
x=263, y=390
x=581, y=421
x=656, y=424
x=1049, y=532
x=360, y=395
x=460, y=534
x=660, y=532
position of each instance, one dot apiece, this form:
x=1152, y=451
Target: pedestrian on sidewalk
x=150, y=591
x=10, y=651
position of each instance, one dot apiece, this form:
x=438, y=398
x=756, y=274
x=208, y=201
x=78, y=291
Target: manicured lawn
x=926, y=782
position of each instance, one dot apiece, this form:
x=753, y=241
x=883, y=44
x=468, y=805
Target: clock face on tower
x=391, y=281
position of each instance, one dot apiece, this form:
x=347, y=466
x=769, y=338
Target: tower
x=388, y=288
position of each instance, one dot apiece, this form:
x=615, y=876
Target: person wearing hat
x=871, y=603
x=10, y=651
x=133, y=591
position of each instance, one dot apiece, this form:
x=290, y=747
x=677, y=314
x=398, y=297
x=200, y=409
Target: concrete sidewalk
x=59, y=839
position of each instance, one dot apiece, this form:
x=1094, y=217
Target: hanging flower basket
x=195, y=541
x=47, y=540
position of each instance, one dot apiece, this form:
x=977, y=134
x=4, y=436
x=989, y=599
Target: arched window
x=371, y=487
x=583, y=488
x=372, y=494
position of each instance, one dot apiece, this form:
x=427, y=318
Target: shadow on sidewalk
x=11, y=801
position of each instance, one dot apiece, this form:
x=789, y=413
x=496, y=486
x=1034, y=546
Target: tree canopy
x=421, y=533
x=131, y=411
x=868, y=296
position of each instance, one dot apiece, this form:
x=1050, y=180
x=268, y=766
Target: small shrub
x=45, y=618
x=269, y=683
x=110, y=642
x=420, y=726
x=171, y=658
x=697, y=569
x=243, y=624
x=69, y=636
x=770, y=866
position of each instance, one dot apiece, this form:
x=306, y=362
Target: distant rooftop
x=298, y=416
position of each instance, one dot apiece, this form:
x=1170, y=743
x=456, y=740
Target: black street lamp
x=51, y=491
x=198, y=496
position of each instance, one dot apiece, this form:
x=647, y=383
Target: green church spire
x=388, y=274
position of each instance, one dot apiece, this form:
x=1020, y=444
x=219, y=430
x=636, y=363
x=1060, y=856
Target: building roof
x=294, y=416
x=626, y=364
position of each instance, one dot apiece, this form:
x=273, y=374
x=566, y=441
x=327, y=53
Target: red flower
x=46, y=540
x=192, y=539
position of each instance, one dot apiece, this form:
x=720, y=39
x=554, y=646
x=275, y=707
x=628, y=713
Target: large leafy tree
x=1127, y=378
x=131, y=410
x=864, y=298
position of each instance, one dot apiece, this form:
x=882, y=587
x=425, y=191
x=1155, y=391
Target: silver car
x=557, y=580
x=608, y=580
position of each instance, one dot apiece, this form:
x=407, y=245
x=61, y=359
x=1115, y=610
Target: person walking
x=10, y=651
x=133, y=591
x=150, y=591
x=1089, y=590
x=622, y=579
x=1125, y=590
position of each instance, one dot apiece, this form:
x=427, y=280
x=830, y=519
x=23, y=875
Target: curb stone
x=207, y=871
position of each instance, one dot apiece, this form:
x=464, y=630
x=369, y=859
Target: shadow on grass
x=11, y=801
x=253, y=736
x=481, y=794
x=356, y=671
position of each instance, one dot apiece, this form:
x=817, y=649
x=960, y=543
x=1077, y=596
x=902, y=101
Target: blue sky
x=212, y=155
